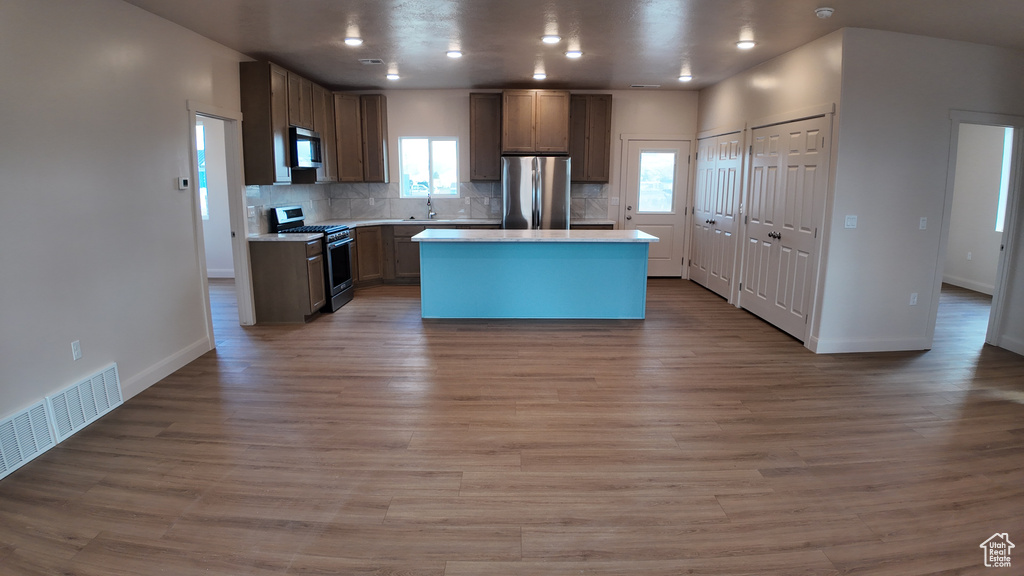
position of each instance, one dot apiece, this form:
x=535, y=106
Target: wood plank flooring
x=699, y=441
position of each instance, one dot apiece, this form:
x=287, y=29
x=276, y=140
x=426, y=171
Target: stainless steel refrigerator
x=535, y=192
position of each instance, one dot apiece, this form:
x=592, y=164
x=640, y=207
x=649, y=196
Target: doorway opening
x=219, y=212
x=982, y=192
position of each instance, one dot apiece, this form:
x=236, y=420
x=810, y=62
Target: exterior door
x=657, y=174
x=789, y=166
x=716, y=204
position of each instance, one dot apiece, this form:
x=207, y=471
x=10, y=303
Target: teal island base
x=509, y=278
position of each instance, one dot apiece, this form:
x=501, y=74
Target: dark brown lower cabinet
x=368, y=261
x=287, y=280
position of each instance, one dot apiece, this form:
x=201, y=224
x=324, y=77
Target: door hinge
x=686, y=211
x=815, y=232
x=741, y=286
x=751, y=150
x=746, y=219
x=822, y=141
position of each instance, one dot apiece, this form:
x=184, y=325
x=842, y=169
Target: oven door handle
x=334, y=245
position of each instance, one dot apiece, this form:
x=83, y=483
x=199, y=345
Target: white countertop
x=533, y=236
x=297, y=237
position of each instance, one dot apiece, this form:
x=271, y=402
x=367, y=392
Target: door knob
x=629, y=207
x=629, y=217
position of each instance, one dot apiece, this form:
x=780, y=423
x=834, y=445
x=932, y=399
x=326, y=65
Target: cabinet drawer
x=314, y=247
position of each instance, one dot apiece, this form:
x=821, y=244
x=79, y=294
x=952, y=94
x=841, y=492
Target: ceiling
x=624, y=42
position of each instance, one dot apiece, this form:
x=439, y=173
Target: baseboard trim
x=1014, y=345
x=220, y=273
x=970, y=284
x=164, y=368
x=845, y=346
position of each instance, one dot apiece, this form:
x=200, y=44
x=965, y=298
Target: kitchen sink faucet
x=430, y=209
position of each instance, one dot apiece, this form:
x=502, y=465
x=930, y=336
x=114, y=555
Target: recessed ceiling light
x=540, y=76
x=551, y=39
x=453, y=54
x=393, y=76
x=352, y=41
x=746, y=44
x=685, y=78
x=574, y=54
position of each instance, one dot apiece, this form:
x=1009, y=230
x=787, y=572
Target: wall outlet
x=851, y=220
x=371, y=200
x=76, y=350
x=183, y=183
x=614, y=200
x=252, y=211
x=924, y=224
x=487, y=200
x=467, y=199
x=913, y=298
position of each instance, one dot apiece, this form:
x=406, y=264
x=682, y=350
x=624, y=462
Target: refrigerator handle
x=537, y=196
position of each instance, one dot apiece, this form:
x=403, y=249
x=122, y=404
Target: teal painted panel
x=533, y=279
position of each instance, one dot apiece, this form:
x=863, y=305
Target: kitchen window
x=429, y=166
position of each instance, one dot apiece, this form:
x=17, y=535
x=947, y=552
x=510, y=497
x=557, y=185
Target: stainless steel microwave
x=305, y=148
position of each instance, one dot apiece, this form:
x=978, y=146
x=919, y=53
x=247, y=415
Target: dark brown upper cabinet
x=300, y=101
x=535, y=121
x=373, y=109
x=264, y=101
x=348, y=128
x=590, y=137
x=485, y=136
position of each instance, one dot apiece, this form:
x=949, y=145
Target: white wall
x=894, y=138
x=972, y=227
x=98, y=243
x=806, y=77
x=217, y=229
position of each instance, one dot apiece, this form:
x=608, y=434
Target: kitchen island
x=533, y=273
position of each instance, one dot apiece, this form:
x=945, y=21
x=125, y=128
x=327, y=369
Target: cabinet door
x=599, y=137
x=552, y=121
x=578, y=105
x=348, y=136
x=407, y=252
x=300, y=101
x=485, y=136
x=374, y=111
x=369, y=254
x=279, y=124
x=264, y=101
x=518, y=133
x=323, y=123
x=317, y=283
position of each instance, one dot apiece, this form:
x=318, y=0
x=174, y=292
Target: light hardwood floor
x=699, y=441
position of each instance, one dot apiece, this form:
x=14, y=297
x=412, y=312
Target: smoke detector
x=824, y=13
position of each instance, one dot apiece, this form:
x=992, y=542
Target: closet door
x=724, y=221
x=789, y=167
x=703, y=203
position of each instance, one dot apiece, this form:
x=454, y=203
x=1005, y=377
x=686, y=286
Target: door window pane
x=657, y=182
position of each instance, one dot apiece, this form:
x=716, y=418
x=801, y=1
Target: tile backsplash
x=370, y=201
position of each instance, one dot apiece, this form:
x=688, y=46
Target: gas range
x=337, y=251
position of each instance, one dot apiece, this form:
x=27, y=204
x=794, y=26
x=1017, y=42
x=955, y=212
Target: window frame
x=405, y=188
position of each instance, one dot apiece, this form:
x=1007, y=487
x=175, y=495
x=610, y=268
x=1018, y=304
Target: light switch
x=614, y=200
x=851, y=220
x=924, y=224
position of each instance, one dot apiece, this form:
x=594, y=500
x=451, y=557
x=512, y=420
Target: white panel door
x=724, y=222
x=789, y=165
x=657, y=174
x=703, y=207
